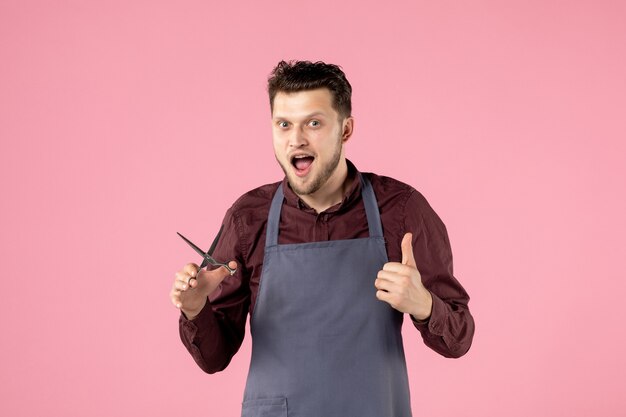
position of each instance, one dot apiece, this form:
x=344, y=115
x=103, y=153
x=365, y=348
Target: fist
x=400, y=284
x=192, y=287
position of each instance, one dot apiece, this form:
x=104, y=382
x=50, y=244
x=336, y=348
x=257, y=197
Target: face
x=308, y=138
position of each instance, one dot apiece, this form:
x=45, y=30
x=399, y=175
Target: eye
x=314, y=123
x=283, y=124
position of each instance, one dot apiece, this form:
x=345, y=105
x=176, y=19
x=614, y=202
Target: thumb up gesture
x=400, y=284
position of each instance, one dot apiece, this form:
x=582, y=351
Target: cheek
x=278, y=152
x=281, y=149
x=278, y=143
x=328, y=142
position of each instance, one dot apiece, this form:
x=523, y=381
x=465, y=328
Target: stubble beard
x=317, y=182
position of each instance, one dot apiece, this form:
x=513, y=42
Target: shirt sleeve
x=450, y=329
x=216, y=333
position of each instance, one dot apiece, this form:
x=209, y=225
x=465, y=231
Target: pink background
x=124, y=122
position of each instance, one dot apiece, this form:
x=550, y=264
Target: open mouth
x=302, y=164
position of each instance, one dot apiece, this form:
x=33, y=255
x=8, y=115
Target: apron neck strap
x=371, y=208
x=369, y=201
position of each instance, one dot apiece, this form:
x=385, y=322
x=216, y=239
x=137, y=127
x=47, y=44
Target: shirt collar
x=353, y=193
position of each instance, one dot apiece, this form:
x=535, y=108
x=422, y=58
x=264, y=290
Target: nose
x=297, y=138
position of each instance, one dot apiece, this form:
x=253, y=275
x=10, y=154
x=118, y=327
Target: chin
x=306, y=187
x=299, y=188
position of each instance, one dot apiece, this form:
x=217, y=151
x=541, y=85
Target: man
x=328, y=261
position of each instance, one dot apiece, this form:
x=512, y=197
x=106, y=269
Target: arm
x=450, y=329
x=215, y=334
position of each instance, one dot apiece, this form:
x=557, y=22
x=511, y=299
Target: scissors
x=207, y=258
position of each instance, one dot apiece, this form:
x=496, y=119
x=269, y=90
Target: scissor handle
x=216, y=263
x=230, y=270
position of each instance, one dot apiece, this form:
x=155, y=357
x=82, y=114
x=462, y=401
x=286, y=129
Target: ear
x=348, y=128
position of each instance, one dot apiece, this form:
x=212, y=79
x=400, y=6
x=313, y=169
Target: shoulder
x=254, y=203
x=404, y=199
x=245, y=220
x=389, y=190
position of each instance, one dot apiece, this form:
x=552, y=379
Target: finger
x=384, y=296
x=385, y=285
x=181, y=286
x=221, y=273
x=232, y=265
x=183, y=277
x=175, y=297
x=191, y=269
x=398, y=268
x=390, y=275
x=407, y=250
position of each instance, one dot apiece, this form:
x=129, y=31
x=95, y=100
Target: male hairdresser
x=329, y=261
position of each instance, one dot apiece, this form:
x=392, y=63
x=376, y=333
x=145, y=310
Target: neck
x=330, y=193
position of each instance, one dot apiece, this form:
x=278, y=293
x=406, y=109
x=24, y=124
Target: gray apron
x=323, y=345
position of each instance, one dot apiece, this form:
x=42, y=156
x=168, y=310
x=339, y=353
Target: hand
x=400, y=284
x=191, y=289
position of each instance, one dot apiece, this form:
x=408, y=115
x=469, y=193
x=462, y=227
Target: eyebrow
x=308, y=116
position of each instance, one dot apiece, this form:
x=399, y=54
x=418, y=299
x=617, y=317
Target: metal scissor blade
x=197, y=249
x=204, y=264
x=217, y=238
x=207, y=258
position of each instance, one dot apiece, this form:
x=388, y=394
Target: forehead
x=302, y=103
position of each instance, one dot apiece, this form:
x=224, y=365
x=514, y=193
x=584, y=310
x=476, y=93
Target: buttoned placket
x=321, y=227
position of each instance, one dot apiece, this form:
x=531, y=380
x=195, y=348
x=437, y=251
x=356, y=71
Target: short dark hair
x=293, y=76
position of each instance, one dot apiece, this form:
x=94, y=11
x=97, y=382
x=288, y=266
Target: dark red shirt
x=216, y=334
